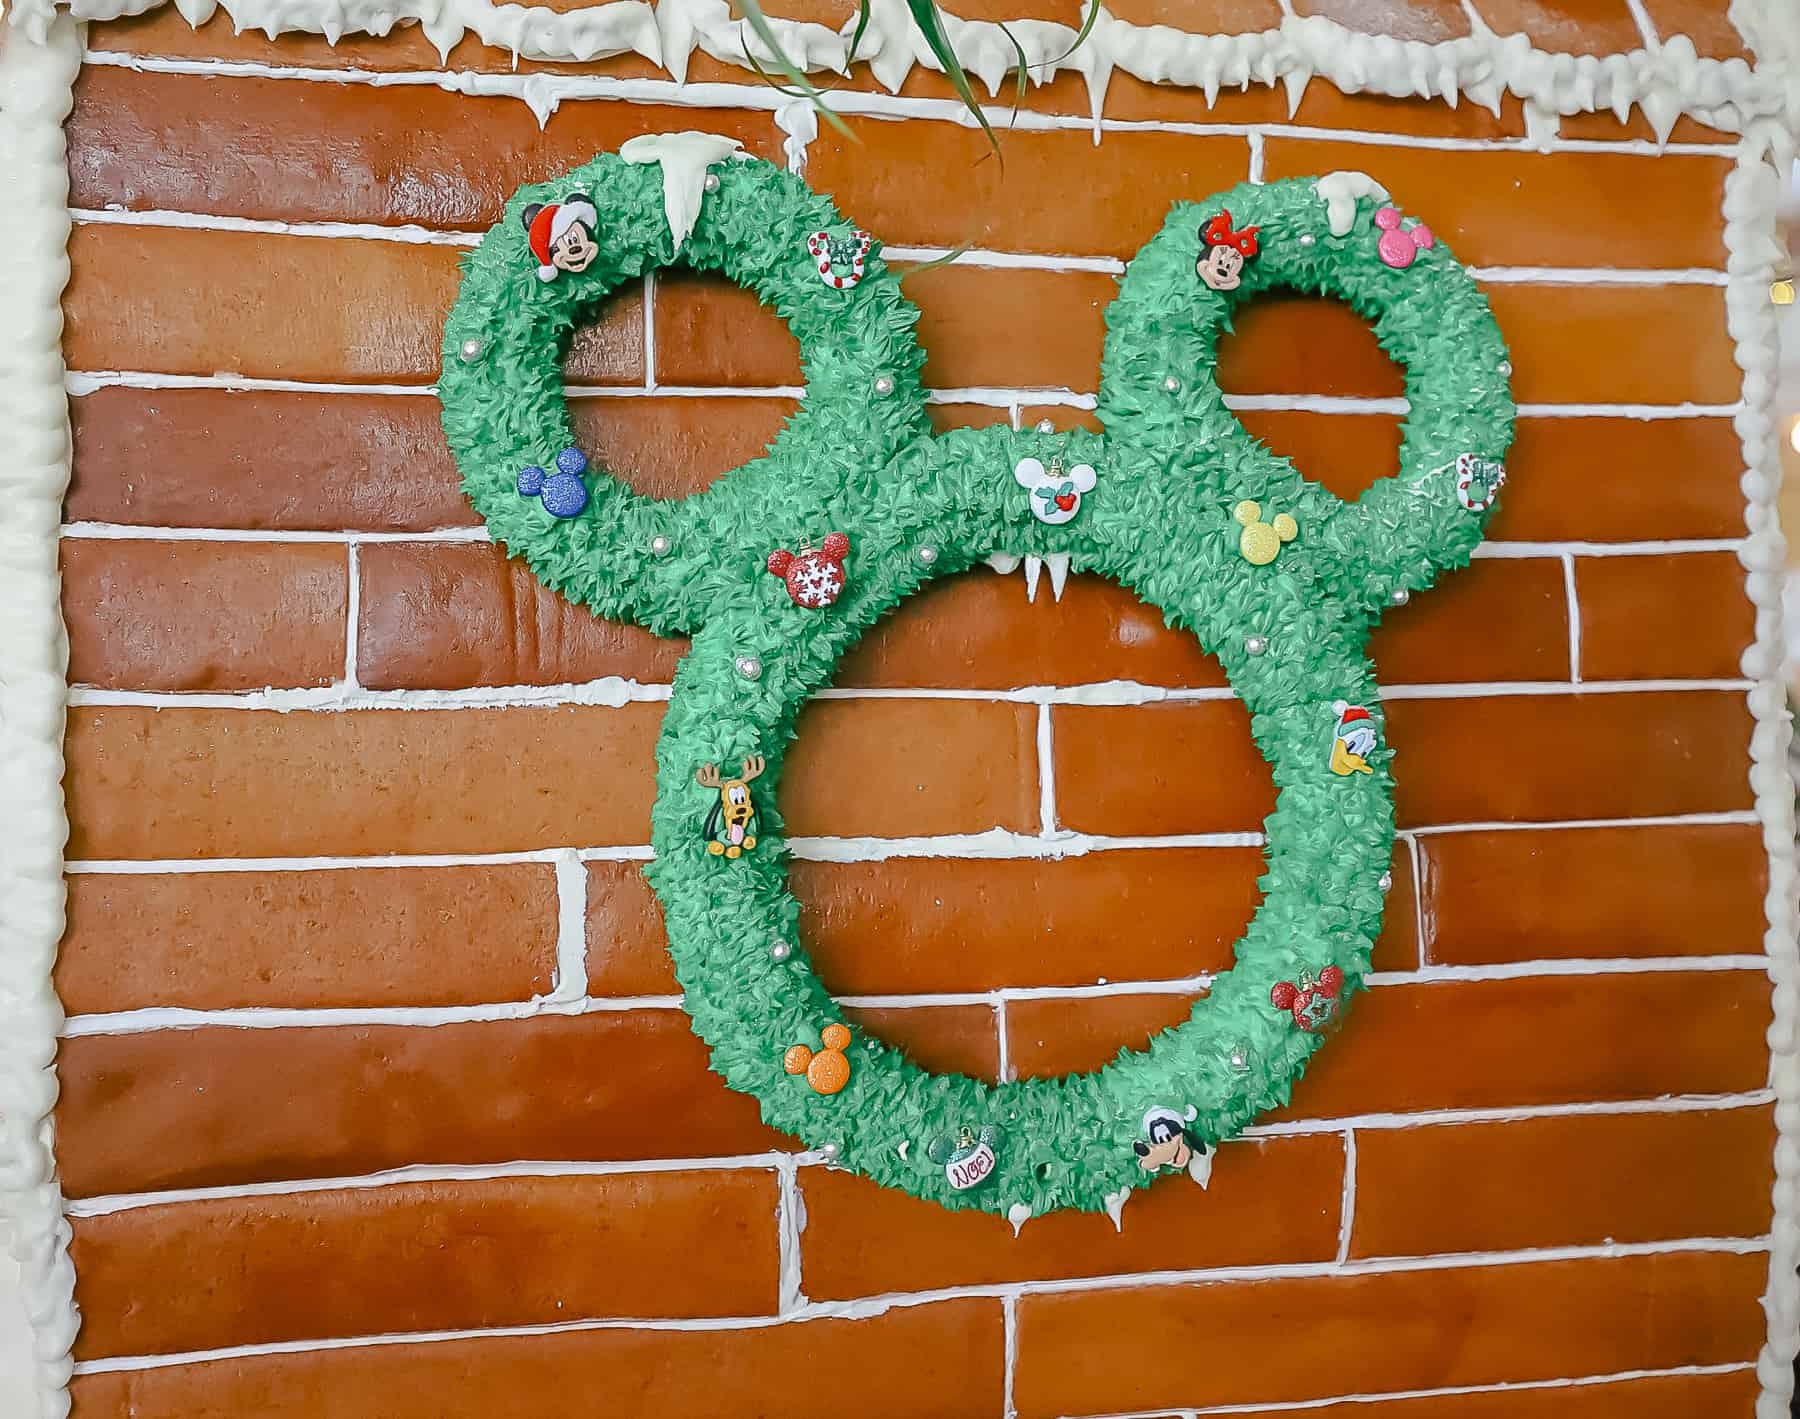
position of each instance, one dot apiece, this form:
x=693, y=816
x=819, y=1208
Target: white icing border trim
x=1752, y=194
x=1666, y=78
x=36, y=82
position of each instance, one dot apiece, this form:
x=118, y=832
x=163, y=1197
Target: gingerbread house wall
x=331, y=757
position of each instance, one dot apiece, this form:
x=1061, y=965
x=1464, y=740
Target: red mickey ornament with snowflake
x=1313, y=1000
x=814, y=575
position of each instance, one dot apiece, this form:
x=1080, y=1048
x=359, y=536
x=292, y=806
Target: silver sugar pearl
x=1307, y=239
x=1172, y=384
x=749, y=667
x=884, y=385
x=1239, y=1059
x=1044, y=426
x=470, y=350
x=1387, y=882
x=712, y=182
x=1505, y=368
x=1255, y=645
x=659, y=545
x=780, y=951
x=1400, y=596
x=829, y=1152
x=926, y=555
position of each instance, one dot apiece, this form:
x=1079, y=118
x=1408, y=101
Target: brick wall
x=372, y=1030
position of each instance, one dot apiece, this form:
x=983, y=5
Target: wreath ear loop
x=1282, y=594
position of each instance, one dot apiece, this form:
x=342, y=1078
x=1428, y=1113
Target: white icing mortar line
x=1434, y=1118
x=1046, y=767
x=1347, y=1207
x=870, y=1306
x=352, y=616
x=544, y=93
x=1448, y=1392
x=1572, y=605
x=571, y=980
x=1009, y=1320
x=790, y=1222
x=38, y=69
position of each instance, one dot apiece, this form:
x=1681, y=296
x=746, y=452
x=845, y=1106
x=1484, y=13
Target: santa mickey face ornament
x=562, y=234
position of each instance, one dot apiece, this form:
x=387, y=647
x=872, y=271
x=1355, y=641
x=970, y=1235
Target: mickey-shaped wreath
x=858, y=458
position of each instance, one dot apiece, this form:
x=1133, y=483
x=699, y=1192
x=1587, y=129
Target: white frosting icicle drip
x=35, y=87
x=1752, y=191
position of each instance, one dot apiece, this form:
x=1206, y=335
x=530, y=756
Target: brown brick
x=711, y=331
x=1703, y=21
x=895, y=1364
x=1504, y=619
x=1678, y=890
x=967, y=416
x=1541, y=1040
x=374, y=312
x=203, y=615
x=1641, y=480
x=408, y=153
x=1216, y=16
x=1429, y=22
x=1011, y=328
x=1664, y=344
x=1567, y=26
x=1270, y=1201
x=1663, y=617
x=264, y=460
x=1288, y=343
x=1096, y=792
x=1574, y=1181
x=237, y=783
x=1103, y=1351
x=1662, y=1397
x=940, y=1039
x=627, y=951
x=1049, y=1038
x=303, y=940
x=426, y=1256
x=978, y=632
x=901, y=768
x=671, y=446
x=1127, y=184
x=1576, y=756
x=1511, y=208
x=225, y=1105
x=443, y=617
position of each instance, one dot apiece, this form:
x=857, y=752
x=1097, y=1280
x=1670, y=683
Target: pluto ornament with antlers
x=1285, y=605
x=731, y=821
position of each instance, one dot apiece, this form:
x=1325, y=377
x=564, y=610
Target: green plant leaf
x=935, y=261
x=925, y=16
x=803, y=87
x=862, y=23
x=1087, y=27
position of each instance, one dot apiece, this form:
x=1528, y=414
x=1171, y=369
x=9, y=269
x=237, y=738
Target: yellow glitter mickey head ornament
x=1260, y=542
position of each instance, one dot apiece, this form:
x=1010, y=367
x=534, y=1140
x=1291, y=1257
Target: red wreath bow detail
x=1218, y=232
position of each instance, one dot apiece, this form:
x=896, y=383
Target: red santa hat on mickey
x=546, y=225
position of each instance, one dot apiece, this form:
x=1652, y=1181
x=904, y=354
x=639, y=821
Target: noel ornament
x=731, y=821
x=814, y=575
x=1055, y=495
x=840, y=253
x=967, y=1157
x=1398, y=246
x=1351, y=739
x=1223, y=253
x=561, y=234
x=1312, y=1000
x=1478, y=481
x=1167, y=1143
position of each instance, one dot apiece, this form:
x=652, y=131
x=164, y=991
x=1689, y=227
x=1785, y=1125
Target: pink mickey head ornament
x=814, y=575
x=1312, y=1000
x=1399, y=245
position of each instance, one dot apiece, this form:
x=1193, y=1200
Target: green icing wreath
x=1283, y=594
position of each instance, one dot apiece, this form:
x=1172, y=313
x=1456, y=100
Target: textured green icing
x=1172, y=466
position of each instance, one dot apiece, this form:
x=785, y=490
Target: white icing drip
x=36, y=78
x=1752, y=192
x=1340, y=192
x=1018, y=1214
x=1200, y=1166
x=1115, y=1207
x=800, y=121
x=1664, y=82
x=684, y=157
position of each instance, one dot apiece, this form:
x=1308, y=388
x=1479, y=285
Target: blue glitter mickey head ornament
x=563, y=493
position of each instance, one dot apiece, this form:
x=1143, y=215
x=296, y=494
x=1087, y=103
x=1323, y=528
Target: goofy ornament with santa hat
x=561, y=234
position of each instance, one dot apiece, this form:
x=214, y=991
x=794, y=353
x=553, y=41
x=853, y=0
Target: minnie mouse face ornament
x=1224, y=252
x=561, y=234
